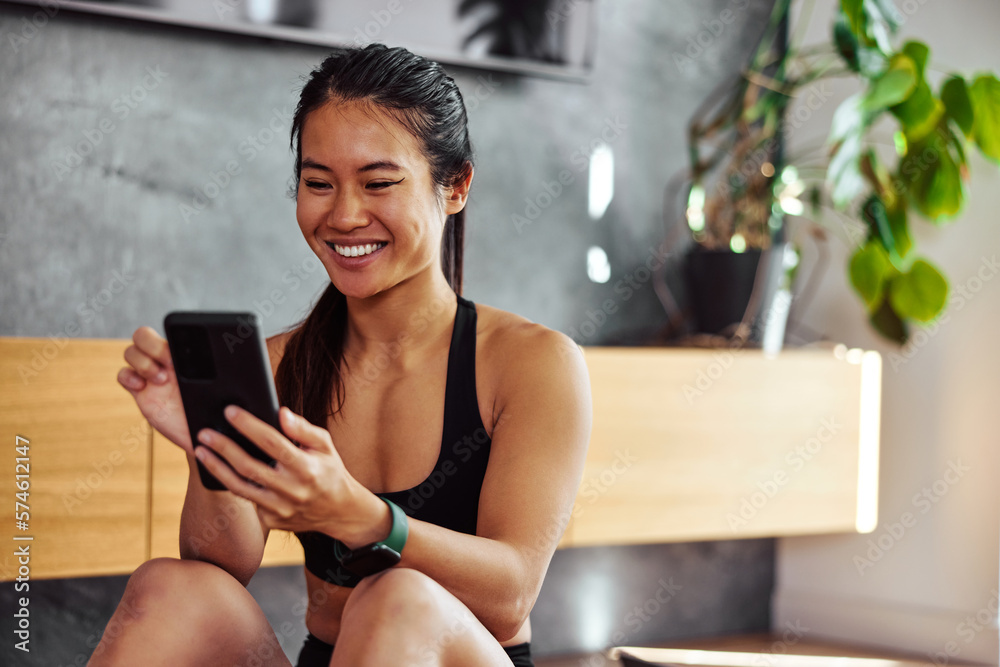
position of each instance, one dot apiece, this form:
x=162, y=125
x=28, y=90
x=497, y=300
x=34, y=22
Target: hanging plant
x=927, y=176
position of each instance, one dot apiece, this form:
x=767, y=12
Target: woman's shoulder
x=502, y=328
x=522, y=348
x=530, y=370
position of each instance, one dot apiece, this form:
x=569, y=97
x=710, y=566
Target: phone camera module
x=194, y=353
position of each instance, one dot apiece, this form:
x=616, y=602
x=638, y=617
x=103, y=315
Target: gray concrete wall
x=144, y=168
x=161, y=154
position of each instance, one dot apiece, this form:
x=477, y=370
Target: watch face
x=370, y=559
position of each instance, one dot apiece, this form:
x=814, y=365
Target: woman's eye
x=381, y=185
x=316, y=185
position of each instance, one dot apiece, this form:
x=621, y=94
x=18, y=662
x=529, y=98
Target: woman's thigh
x=187, y=612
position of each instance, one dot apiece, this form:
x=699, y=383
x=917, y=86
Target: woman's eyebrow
x=312, y=164
x=308, y=163
x=381, y=164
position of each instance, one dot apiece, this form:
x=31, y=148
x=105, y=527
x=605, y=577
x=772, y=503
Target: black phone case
x=242, y=376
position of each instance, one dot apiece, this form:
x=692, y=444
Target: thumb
x=131, y=381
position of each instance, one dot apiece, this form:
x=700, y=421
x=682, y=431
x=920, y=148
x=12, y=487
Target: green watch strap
x=400, y=528
x=397, y=534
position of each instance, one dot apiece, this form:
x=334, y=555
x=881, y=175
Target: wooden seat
x=687, y=445
x=89, y=449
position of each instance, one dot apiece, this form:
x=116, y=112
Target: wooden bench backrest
x=686, y=446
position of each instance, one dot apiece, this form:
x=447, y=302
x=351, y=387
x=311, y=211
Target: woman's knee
x=407, y=595
x=405, y=614
x=167, y=598
x=396, y=580
x=171, y=582
x=395, y=586
x=195, y=593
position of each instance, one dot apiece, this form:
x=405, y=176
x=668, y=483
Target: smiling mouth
x=356, y=250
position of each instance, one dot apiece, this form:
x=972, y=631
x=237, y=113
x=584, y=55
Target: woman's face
x=366, y=203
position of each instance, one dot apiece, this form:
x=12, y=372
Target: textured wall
x=161, y=153
x=144, y=168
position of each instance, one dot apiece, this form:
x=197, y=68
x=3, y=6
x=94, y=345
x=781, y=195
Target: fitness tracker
x=377, y=556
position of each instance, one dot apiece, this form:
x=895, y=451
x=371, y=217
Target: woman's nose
x=348, y=212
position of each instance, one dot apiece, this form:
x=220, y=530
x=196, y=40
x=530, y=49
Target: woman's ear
x=457, y=193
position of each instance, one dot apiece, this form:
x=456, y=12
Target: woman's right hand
x=151, y=380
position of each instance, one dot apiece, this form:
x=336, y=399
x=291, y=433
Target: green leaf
x=955, y=141
x=899, y=142
x=888, y=227
x=932, y=177
x=846, y=43
x=874, y=214
x=872, y=63
x=894, y=86
x=848, y=117
x=888, y=11
x=957, y=103
x=946, y=191
x=869, y=270
x=985, y=96
x=853, y=12
x=888, y=323
x=900, y=229
x=844, y=173
x=880, y=36
x=920, y=293
x=919, y=52
x=919, y=113
x=881, y=18
x=846, y=133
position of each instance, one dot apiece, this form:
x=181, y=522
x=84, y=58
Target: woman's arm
x=216, y=527
x=221, y=527
x=539, y=441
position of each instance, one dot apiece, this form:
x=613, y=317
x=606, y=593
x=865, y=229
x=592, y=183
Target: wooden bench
x=687, y=445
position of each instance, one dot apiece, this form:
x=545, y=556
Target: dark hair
x=421, y=95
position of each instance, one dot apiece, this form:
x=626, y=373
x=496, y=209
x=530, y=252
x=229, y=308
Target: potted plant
x=741, y=186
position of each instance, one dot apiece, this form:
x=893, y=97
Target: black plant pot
x=719, y=285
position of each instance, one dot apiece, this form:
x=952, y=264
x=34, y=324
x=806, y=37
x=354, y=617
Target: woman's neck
x=408, y=318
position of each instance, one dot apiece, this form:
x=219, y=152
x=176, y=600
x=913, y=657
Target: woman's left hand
x=308, y=488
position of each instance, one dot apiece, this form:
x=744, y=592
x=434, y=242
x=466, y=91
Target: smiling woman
x=359, y=161
x=430, y=484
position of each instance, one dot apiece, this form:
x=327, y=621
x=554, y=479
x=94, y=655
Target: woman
x=449, y=433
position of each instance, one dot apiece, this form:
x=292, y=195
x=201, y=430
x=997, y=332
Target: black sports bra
x=449, y=497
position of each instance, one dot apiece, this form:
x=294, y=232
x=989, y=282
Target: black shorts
x=317, y=653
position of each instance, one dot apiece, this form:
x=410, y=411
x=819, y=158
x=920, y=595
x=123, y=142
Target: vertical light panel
x=601, y=188
x=868, y=441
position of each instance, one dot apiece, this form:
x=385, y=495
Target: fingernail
x=199, y=453
x=205, y=436
x=230, y=411
x=160, y=377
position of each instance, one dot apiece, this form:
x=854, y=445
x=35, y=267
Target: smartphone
x=220, y=359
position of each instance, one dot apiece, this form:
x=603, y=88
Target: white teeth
x=357, y=250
